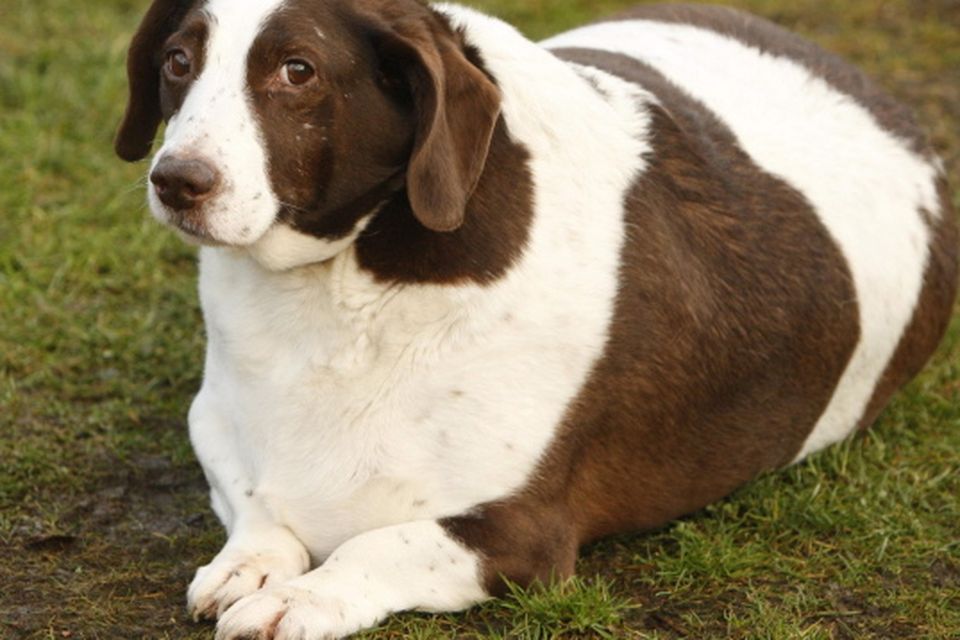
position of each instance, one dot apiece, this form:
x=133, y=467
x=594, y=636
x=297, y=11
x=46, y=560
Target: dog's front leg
x=416, y=565
x=425, y=565
x=259, y=552
x=257, y=555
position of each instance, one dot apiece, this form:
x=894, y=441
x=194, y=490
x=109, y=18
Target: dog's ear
x=135, y=136
x=456, y=108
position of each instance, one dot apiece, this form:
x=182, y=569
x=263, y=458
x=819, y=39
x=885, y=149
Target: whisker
x=293, y=206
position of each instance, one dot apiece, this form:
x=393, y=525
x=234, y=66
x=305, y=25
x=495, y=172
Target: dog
x=472, y=302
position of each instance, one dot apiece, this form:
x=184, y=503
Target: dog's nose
x=184, y=184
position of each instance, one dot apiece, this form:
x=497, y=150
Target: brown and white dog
x=473, y=302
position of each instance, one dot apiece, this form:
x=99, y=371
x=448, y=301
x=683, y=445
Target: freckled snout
x=183, y=184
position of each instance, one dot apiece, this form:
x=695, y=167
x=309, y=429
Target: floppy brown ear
x=456, y=109
x=135, y=136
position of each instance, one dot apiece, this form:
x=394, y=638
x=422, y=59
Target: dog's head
x=290, y=121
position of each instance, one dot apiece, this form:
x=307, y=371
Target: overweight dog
x=472, y=302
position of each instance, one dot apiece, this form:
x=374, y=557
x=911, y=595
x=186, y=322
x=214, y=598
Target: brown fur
x=337, y=148
x=143, y=115
x=456, y=105
x=395, y=247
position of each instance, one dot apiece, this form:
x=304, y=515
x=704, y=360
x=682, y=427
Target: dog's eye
x=297, y=72
x=178, y=63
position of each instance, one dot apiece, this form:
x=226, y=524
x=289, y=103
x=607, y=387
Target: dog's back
x=800, y=224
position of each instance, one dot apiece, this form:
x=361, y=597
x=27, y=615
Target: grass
x=103, y=512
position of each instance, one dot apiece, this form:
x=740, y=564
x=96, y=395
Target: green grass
x=103, y=512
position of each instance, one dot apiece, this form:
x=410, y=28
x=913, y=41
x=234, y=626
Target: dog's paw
x=232, y=576
x=290, y=613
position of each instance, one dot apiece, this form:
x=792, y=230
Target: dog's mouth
x=195, y=232
x=191, y=226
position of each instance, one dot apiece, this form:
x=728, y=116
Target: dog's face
x=289, y=122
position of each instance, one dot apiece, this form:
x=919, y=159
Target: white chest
x=349, y=409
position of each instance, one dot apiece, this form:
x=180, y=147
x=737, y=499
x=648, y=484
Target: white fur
x=333, y=405
x=282, y=247
x=216, y=123
x=415, y=565
x=868, y=189
x=262, y=556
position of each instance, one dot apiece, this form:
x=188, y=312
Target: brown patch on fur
x=468, y=203
x=523, y=540
x=337, y=147
x=404, y=121
x=773, y=39
x=932, y=314
x=144, y=61
x=700, y=390
x=396, y=247
x=457, y=107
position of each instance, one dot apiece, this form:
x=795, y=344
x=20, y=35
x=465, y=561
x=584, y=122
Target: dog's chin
x=194, y=229
x=283, y=248
x=190, y=228
x=197, y=237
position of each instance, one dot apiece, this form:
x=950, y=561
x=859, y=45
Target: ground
x=103, y=512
